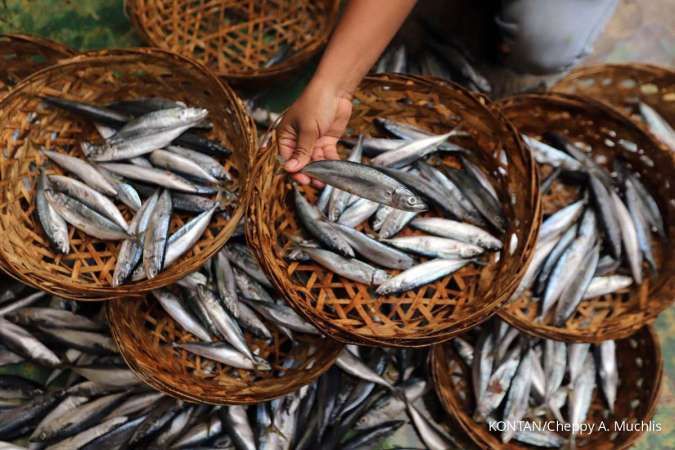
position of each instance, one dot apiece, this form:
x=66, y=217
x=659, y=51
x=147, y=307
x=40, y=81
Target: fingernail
x=291, y=164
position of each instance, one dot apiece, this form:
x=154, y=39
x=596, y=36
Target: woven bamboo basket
x=640, y=366
x=623, y=86
x=237, y=39
x=27, y=125
x=350, y=311
x=603, y=129
x=144, y=333
x=21, y=55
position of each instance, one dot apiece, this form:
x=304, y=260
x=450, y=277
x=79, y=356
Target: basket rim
x=457, y=414
x=51, y=44
x=645, y=316
x=347, y=336
x=280, y=70
x=182, y=394
x=90, y=293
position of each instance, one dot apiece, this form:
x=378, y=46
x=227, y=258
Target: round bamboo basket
x=603, y=129
x=27, y=126
x=21, y=55
x=623, y=86
x=640, y=366
x=144, y=333
x=237, y=39
x=351, y=312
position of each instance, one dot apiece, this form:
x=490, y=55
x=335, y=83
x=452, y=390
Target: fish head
x=403, y=198
x=193, y=114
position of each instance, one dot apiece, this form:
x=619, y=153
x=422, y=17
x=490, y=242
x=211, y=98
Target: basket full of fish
x=422, y=230
x=221, y=335
x=508, y=390
x=124, y=171
x=603, y=264
x=642, y=91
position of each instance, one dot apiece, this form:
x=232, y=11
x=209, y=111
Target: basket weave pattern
x=352, y=312
x=236, y=38
x=27, y=126
x=144, y=333
x=602, y=129
x=640, y=367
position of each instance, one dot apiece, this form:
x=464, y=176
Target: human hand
x=311, y=128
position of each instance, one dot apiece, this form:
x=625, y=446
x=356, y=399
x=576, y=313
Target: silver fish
x=250, y=288
x=360, y=211
x=576, y=356
x=394, y=222
x=177, y=163
x=211, y=165
x=312, y=220
x=392, y=405
x=542, y=250
x=88, y=435
x=381, y=215
x=398, y=61
x=581, y=394
x=226, y=283
x=651, y=208
x=284, y=316
x=22, y=303
x=498, y=385
x=242, y=257
x=226, y=354
x=366, y=182
x=135, y=404
x=479, y=175
x=324, y=198
x=607, y=285
x=174, y=428
x=411, y=151
x=464, y=349
x=483, y=361
x=109, y=376
x=539, y=438
x=131, y=250
x=563, y=244
x=125, y=192
x=339, y=199
x=351, y=364
x=435, y=247
x=174, y=306
x=235, y=420
x=200, y=432
x=555, y=363
x=90, y=197
x=375, y=251
x=157, y=177
x=24, y=343
x=156, y=234
x=249, y=319
x=640, y=222
x=518, y=396
x=433, y=437
x=658, y=125
x=460, y=231
x=420, y=275
x=82, y=170
x=607, y=207
x=84, y=218
x=352, y=269
x=545, y=154
x=86, y=341
x=559, y=222
x=629, y=238
x=54, y=317
x=52, y=223
x=46, y=427
x=538, y=375
x=185, y=238
x=608, y=371
x=573, y=294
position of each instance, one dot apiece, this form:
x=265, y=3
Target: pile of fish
x=87, y=398
x=657, y=124
x=394, y=188
x=154, y=162
x=520, y=380
x=597, y=245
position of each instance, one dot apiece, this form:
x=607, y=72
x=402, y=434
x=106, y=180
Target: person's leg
x=550, y=36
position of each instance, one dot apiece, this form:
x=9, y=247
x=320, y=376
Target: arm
x=312, y=126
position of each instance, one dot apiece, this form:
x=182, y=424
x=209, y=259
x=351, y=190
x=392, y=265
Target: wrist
x=333, y=85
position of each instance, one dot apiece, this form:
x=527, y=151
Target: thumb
x=303, y=150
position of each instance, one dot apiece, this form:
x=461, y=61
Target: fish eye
x=412, y=200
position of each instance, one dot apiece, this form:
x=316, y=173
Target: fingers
x=287, y=138
x=330, y=149
x=303, y=149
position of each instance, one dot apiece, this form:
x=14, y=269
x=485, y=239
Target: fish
x=574, y=293
x=561, y=220
x=459, y=63
x=125, y=192
x=114, y=376
x=211, y=165
x=640, y=223
x=607, y=285
x=200, y=432
x=249, y=320
x=86, y=341
x=629, y=237
x=576, y=356
x=546, y=185
x=22, y=342
x=480, y=197
x=538, y=375
x=374, y=251
x=542, y=250
x=398, y=61
x=464, y=350
x=177, y=163
x=539, y=438
x=351, y=268
x=424, y=273
x=394, y=222
x=555, y=363
x=546, y=154
x=312, y=220
x=283, y=52
x=66, y=406
x=650, y=206
x=657, y=125
x=226, y=354
x=158, y=177
x=518, y=396
x=235, y=422
x=84, y=218
x=608, y=371
x=175, y=309
x=173, y=429
x=226, y=283
x=393, y=405
x=54, y=317
x=324, y=198
x=477, y=173
x=55, y=228
x=13, y=420
x=498, y=385
x=340, y=199
x=590, y=166
x=483, y=361
x=460, y=231
x=580, y=395
x=366, y=182
x=131, y=250
x=249, y=288
x=372, y=436
x=351, y=364
x=283, y=315
x=607, y=207
x=90, y=197
x=187, y=236
x=82, y=170
x=411, y=151
x=117, y=437
x=155, y=236
x=360, y=211
x=562, y=244
x=433, y=437
x=435, y=247
x=135, y=404
x=242, y=257
x=22, y=303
